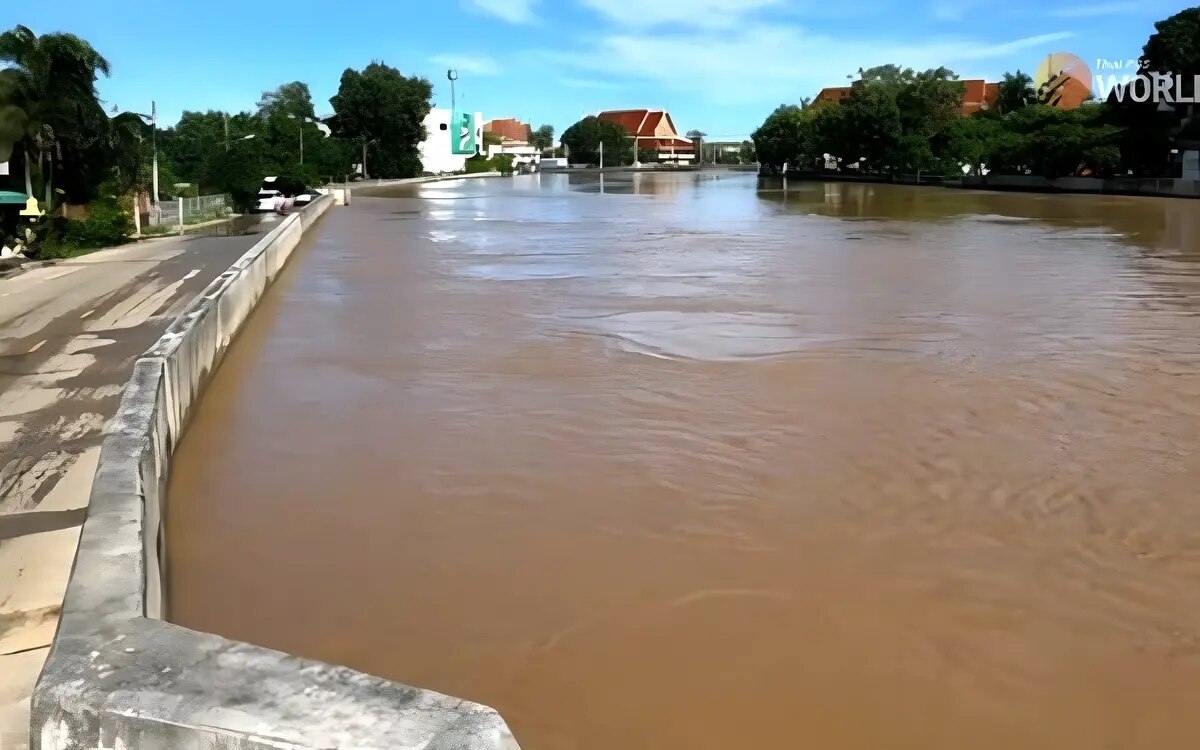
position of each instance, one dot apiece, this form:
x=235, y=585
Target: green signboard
x=462, y=136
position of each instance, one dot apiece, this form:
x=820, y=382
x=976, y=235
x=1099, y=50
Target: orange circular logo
x=1063, y=80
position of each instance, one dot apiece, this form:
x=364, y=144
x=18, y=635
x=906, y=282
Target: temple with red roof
x=977, y=95
x=654, y=130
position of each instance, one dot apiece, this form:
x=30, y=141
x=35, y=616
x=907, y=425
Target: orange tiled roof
x=644, y=123
x=510, y=129
x=630, y=119
x=832, y=94
x=977, y=95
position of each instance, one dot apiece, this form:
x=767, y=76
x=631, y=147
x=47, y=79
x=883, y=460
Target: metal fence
x=185, y=211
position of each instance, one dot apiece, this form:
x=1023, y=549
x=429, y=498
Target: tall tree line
x=899, y=120
x=63, y=145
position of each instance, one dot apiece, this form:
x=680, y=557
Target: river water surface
x=688, y=461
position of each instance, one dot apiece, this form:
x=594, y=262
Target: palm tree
x=47, y=94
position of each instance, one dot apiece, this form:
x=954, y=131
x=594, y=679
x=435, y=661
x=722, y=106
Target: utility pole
x=452, y=75
x=602, y=154
x=225, y=115
x=300, y=120
x=154, y=144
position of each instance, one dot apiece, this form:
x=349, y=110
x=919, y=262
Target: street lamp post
x=301, y=120
x=242, y=138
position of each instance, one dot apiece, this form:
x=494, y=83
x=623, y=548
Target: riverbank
x=727, y=452
x=1162, y=187
x=656, y=168
x=368, y=184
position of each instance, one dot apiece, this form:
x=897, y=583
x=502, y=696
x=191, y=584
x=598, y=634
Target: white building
x=521, y=153
x=437, y=156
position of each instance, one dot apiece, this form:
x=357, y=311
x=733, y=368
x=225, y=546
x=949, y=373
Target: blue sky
x=718, y=65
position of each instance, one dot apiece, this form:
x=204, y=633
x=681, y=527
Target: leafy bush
x=500, y=163
x=108, y=223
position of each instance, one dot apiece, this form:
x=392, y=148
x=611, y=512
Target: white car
x=266, y=195
x=306, y=196
x=274, y=188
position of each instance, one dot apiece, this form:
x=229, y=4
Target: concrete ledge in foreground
x=119, y=677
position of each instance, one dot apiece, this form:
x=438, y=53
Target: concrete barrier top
x=118, y=676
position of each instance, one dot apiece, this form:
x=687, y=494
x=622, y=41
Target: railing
x=185, y=211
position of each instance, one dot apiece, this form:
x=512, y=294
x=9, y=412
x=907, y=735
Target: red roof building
x=977, y=95
x=509, y=129
x=834, y=94
x=651, y=129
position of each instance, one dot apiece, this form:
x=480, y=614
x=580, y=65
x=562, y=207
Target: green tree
x=542, y=138
x=891, y=78
x=829, y=131
x=871, y=127
x=1174, y=47
x=584, y=139
x=747, y=153
x=239, y=171
x=785, y=137
x=383, y=112
x=697, y=139
x=930, y=102
x=49, y=104
x=976, y=142
x=1055, y=143
x=915, y=154
x=1016, y=92
x=288, y=99
x=284, y=113
x=188, y=145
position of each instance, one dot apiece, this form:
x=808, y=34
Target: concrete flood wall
x=1155, y=186
x=118, y=676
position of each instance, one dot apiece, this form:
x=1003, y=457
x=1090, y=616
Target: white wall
x=436, y=156
x=519, y=154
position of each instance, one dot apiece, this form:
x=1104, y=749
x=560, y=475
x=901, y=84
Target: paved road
x=69, y=334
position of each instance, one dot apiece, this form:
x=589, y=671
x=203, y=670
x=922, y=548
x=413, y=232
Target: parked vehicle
x=306, y=196
x=274, y=188
x=267, y=193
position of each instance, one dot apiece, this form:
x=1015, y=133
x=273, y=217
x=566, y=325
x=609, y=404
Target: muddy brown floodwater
x=695, y=462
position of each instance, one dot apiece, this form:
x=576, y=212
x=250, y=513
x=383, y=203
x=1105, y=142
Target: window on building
x=443, y=126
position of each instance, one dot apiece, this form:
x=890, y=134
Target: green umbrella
x=9, y=198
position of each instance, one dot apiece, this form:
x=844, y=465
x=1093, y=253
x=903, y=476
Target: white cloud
x=950, y=10
x=586, y=83
x=769, y=64
x=513, y=11
x=714, y=14
x=468, y=62
x=1097, y=9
